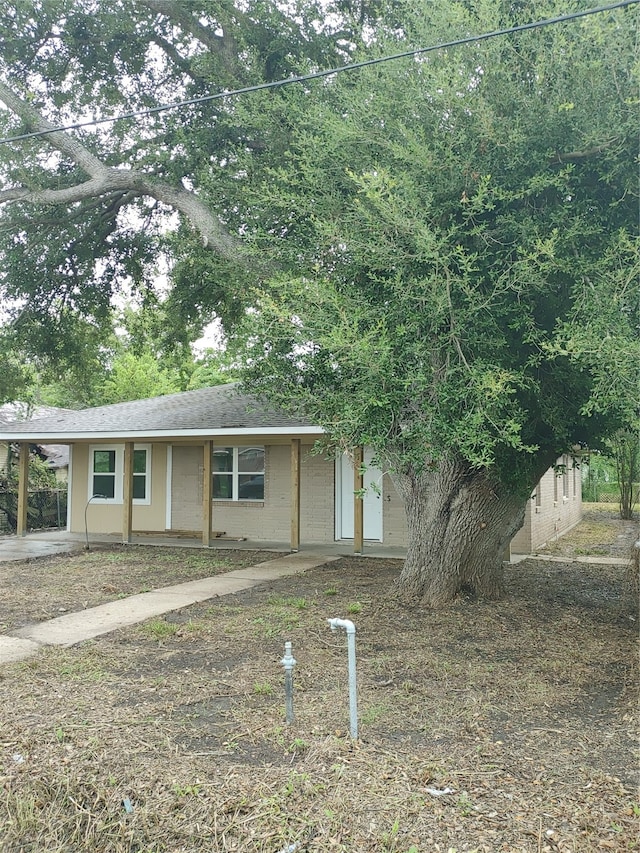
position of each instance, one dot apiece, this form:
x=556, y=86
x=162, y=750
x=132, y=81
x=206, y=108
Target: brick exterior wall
x=186, y=487
x=263, y=520
x=554, y=508
x=317, y=498
x=394, y=523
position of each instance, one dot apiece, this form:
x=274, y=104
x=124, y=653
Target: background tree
x=15, y=376
x=86, y=212
x=626, y=453
x=603, y=336
x=138, y=360
x=42, y=482
x=213, y=367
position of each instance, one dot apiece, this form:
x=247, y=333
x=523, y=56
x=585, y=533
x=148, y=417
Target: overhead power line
x=315, y=75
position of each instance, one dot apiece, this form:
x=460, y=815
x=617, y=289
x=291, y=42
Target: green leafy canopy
x=448, y=223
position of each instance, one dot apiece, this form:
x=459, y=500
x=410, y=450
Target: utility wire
x=277, y=84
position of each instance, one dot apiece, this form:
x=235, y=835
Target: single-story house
x=212, y=462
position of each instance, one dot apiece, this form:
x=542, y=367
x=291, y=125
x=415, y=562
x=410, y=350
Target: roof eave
x=164, y=435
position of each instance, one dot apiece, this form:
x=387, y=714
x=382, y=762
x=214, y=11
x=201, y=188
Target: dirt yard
x=484, y=727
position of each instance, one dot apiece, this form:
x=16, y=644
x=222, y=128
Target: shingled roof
x=220, y=410
x=12, y=412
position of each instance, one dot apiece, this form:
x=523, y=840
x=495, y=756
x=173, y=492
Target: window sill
x=118, y=502
x=219, y=502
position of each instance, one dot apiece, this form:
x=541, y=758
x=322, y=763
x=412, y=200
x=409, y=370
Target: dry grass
x=32, y=591
x=170, y=736
x=600, y=533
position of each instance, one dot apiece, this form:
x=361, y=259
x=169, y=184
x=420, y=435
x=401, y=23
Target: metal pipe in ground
x=288, y=662
x=86, y=525
x=350, y=628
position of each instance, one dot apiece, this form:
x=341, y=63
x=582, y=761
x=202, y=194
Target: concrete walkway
x=75, y=627
x=82, y=625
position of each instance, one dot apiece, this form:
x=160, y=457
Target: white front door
x=372, y=499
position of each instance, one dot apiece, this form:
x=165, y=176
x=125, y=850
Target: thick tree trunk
x=460, y=523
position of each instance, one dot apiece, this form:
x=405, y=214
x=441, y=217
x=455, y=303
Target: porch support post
x=23, y=489
x=127, y=494
x=207, y=505
x=358, y=503
x=295, y=494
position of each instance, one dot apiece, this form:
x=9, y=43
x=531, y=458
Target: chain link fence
x=46, y=508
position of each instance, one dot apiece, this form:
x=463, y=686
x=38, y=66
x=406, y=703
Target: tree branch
x=105, y=179
x=57, y=138
x=112, y=180
x=223, y=46
x=174, y=55
x=571, y=156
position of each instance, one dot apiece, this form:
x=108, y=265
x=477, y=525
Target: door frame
x=343, y=465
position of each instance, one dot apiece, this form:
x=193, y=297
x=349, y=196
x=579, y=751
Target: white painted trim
x=148, y=475
x=236, y=473
x=117, y=451
x=167, y=435
x=118, y=474
x=337, y=485
x=167, y=517
x=69, y=488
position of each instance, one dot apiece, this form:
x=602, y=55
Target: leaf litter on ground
x=525, y=710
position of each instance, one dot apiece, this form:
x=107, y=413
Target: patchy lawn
x=36, y=590
x=170, y=736
x=600, y=533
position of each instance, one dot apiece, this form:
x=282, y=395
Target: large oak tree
x=462, y=289
x=88, y=212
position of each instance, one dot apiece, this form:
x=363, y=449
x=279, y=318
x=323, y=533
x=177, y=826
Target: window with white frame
x=106, y=472
x=537, y=496
x=103, y=473
x=238, y=473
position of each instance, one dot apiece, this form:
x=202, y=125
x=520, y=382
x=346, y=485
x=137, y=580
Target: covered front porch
x=211, y=534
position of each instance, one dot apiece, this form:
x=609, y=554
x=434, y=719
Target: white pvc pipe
x=350, y=628
x=288, y=662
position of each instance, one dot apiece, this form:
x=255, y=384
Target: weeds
x=464, y=804
x=186, y=790
x=159, y=629
x=263, y=688
x=298, y=745
x=374, y=713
